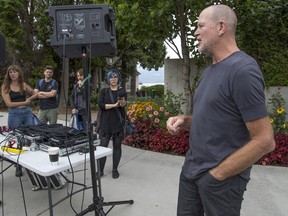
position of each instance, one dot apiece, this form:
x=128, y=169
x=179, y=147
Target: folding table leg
x=49, y=196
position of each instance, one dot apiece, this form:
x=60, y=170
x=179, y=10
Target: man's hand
x=173, y=124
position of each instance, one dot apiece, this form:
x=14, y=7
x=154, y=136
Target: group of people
x=18, y=95
x=111, y=102
x=229, y=128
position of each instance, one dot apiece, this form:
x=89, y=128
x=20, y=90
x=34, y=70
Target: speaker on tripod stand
x=82, y=31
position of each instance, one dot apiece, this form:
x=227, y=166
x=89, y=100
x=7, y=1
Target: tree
x=263, y=34
x=137, y=41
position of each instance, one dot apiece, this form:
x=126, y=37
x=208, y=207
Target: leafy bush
x=152, y=91
x=150, y=137
x=148, y=110
x=279, y=156
x=158, y=110
x=150, y=119
x=278, y=114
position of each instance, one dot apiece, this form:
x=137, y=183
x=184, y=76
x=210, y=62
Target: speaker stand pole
x=97, y=205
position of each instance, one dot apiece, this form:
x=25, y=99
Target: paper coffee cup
x=53, y=155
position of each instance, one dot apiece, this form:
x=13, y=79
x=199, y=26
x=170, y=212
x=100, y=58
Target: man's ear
x=221, y=28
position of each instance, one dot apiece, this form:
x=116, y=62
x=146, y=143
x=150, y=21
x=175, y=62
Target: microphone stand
x=97, y=205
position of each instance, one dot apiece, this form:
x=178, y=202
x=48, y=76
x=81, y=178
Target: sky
x=154, y=76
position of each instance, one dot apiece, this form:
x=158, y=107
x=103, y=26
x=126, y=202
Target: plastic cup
x=53, y=155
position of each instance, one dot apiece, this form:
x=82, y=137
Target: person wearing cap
x=111, y=104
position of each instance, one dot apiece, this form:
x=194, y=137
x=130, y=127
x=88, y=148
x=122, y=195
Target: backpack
x=53, y=84
x=42, y=80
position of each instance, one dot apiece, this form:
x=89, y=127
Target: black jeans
x=117, y=150
x=209, y=195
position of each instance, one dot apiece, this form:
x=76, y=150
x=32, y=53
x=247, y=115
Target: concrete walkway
x=148, y=178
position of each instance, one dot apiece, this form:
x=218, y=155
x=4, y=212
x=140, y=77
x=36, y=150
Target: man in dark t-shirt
x=229, y=128
x=47, y=89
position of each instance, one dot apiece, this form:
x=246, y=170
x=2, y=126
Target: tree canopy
x=142, y=29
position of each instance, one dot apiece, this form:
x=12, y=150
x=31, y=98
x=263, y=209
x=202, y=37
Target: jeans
x=19, y=116
x=209, y=195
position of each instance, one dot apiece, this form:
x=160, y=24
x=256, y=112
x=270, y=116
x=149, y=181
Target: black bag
x=129, y=127
x=97, y=122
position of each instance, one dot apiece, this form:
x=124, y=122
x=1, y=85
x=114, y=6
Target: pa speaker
x=83, y=26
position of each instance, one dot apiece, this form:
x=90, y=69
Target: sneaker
x=115, y=174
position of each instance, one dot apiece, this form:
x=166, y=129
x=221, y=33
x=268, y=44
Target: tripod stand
x=98, y=201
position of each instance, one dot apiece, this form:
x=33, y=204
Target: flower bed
x=150, y=137
x=150, y=120
x=278, y=157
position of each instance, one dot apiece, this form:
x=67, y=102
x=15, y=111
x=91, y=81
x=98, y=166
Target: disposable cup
x=53, y=155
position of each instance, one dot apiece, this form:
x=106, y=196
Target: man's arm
x=50, y=94
x=261, y=143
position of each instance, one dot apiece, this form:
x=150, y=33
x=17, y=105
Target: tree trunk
x=133, y=82
x=182, y=21
x=64, y=101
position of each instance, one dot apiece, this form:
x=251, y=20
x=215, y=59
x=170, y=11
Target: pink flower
x=157, y=120
x=148, y=109
x=132, y=119
x=155, y=113
x=161, y=109
x=130, y=112
x=167, y=113
x=150, y=115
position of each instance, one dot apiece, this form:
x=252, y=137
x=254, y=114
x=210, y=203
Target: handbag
x=75, y=123
x=97, y=122
x=128, y=127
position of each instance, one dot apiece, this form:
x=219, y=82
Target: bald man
x=229, y=128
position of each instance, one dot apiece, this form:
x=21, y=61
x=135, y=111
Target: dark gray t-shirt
x=48, y=103
x=229, y=94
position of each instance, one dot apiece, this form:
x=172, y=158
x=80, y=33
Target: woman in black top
x=111, y=102
x=14, y=92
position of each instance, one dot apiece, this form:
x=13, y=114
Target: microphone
x=121, y=93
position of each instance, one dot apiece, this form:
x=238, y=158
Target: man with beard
x=229, y=128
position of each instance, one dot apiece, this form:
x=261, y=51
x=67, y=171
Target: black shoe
x=18, y=171
x=101, y=173
x=115, y=174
